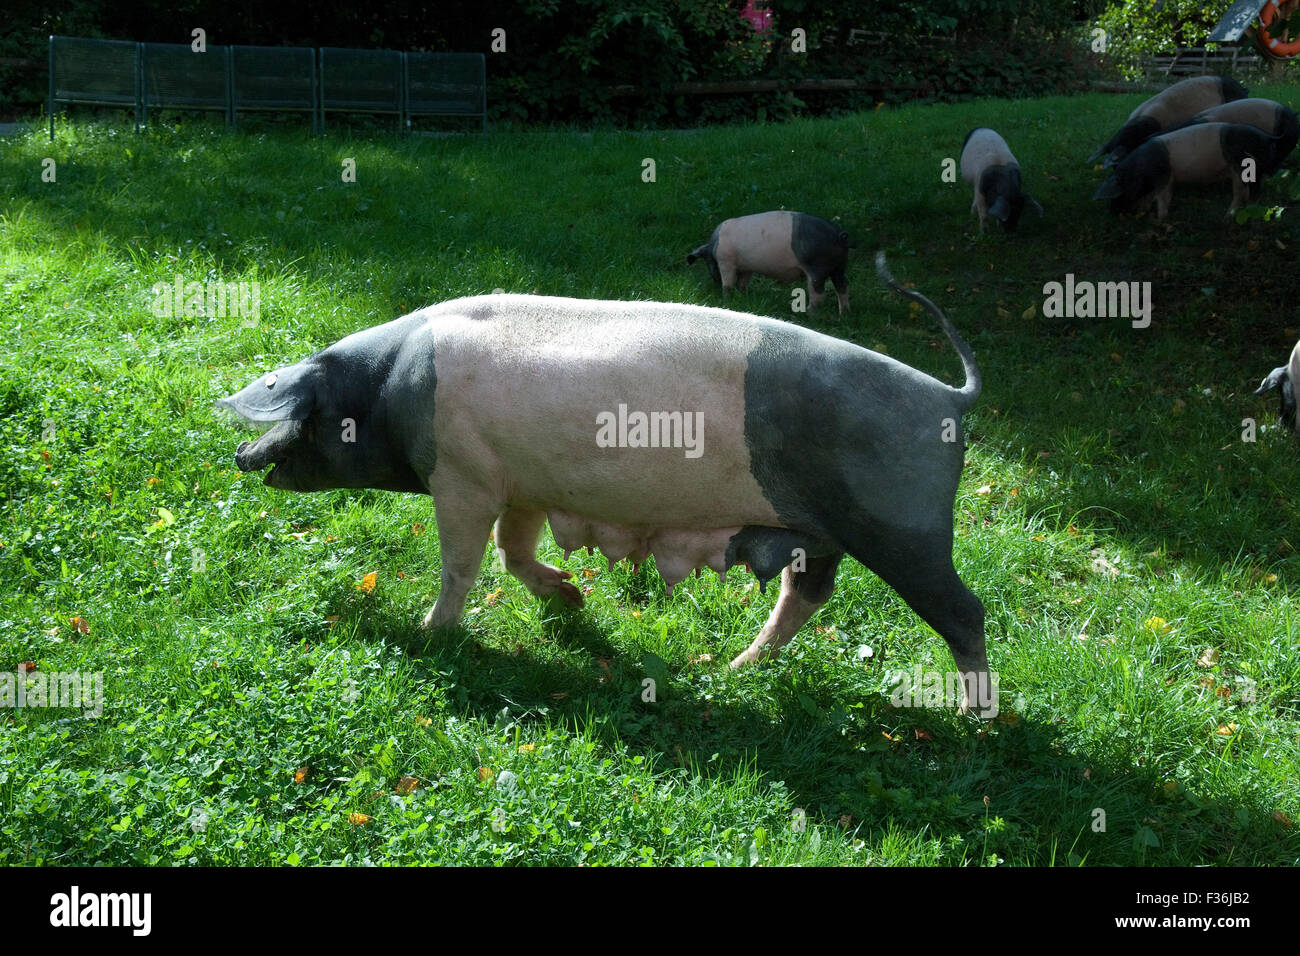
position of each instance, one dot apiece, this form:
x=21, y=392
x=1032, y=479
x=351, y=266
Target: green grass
x=1106, y=484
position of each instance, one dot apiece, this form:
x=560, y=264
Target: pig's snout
x=244, y=458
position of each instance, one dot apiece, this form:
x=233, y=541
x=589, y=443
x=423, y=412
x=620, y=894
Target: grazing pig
x=1167, y=109
x=1267, y=115
x=1284, y=378
x=704, y=437
x=987, y=164
x=784, y=245
x=1204, y=153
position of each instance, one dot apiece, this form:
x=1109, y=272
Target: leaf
x=367, y=584
x=1146, y=837
x=300, y=775
x=358, y=819
x=1209, y=657
x=485, y=774
x=407, y=785
x=655, y=667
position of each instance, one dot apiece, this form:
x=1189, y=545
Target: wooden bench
x=1198, y=61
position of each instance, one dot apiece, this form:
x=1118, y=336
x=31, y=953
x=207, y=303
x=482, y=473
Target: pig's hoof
x=754, y=655
x=432, y=620
x=569, y=594
x=548, y=581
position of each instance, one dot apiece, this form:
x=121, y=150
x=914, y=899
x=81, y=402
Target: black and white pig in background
x=803, y=448
x=1201, y=153
x=987, y=164
x=1167, y=109
x=786, y=246
x=1267, y=115
x=1283, y=378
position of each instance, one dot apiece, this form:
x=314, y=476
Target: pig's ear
x=1109, y=189
x=283, y=395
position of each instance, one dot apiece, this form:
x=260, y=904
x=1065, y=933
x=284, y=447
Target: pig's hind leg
x=919, y=567
x=802, y=593
x=517, y=532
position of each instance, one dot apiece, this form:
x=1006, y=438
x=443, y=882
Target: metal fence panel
x=176, y=76
x=274, y=78
x=231, y=78
x=446, y=84
x=362, y=81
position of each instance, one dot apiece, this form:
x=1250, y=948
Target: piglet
x=784, y=245
x=1284, y=378
x=1167, y=109
x=987, y=164
x=1203, y=153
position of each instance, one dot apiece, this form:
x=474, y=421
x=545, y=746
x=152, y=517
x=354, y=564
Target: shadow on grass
x=1011, y=789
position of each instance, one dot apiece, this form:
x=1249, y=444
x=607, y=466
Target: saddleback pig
x=701, y=436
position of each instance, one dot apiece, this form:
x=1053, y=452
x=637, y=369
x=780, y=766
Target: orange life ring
x=1266, y=43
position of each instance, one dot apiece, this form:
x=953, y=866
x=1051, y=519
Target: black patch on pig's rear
x=1238, y=141
x=1231, y=90
x=824, y=423
x=820, y=247
x=1286, y=127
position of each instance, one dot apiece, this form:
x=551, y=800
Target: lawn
x=270, y=698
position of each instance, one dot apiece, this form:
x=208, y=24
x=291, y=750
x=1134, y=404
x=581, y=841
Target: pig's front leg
x=817, y=292
x=465, y=514
x=802, y=593
x=517, y=532
x=1241, y=194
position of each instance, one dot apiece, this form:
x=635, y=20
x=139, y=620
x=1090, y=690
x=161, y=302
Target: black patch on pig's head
x=1280, y=378
x=343, y=416
x=1131, y=135
x=1143, y=173
x=707, y=252
x=1000, y=186
x=820, y=247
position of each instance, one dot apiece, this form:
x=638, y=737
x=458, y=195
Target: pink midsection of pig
x=1196, y=156
x=761, y=243
x=522, y=420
